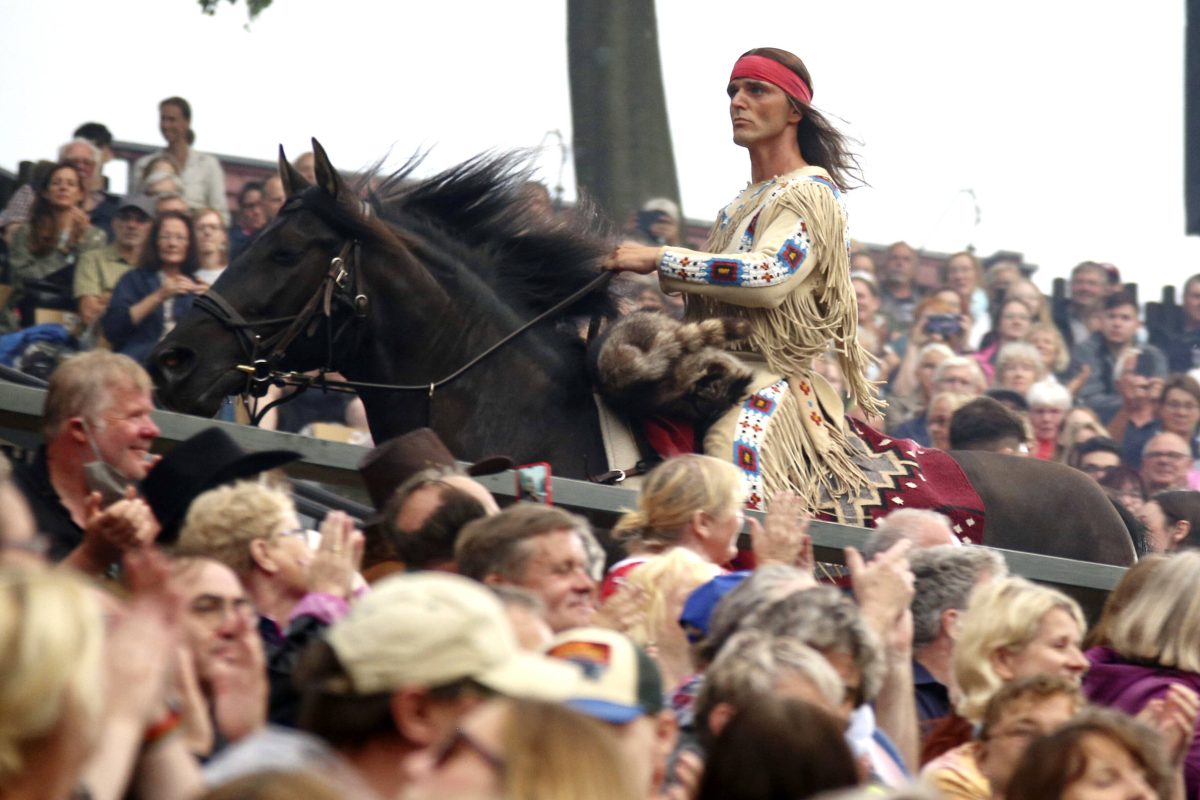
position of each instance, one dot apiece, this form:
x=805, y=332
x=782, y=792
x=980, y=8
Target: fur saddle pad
x=650, y=365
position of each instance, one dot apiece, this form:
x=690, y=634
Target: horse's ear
x=293, y=181
x=327, y=177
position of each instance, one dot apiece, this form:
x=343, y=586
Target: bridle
x=340, y=285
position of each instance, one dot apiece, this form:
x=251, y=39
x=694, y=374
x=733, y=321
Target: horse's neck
x=525, y=400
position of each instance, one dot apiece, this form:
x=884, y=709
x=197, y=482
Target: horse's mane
x=531, y=262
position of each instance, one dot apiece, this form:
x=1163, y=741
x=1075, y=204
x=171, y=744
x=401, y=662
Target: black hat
x=203, y=462
x=396, y=460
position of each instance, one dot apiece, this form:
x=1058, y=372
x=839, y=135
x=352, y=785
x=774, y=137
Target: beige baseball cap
x=434, y=628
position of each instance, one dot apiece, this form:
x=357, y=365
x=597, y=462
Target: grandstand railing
x=332, y=466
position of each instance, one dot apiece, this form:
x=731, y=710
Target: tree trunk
x=622, y=142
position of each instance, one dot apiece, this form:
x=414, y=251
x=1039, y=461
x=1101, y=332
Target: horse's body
x=448, y=267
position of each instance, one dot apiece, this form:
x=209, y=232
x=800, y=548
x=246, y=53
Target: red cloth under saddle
x=670, y=437
x=928, y=478
x=934, y=481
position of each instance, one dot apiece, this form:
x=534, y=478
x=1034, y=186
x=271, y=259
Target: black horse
x=437, y=272
x=428, y=276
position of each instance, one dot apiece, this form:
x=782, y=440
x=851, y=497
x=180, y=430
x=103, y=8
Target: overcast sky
x=1064, y=118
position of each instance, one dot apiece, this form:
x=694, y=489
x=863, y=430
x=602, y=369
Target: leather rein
x=341, y=286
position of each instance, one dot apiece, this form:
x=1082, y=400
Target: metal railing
x=333, y=465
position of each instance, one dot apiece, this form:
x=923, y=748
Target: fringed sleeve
x=788, y=274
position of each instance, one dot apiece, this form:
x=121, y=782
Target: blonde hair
x=1161, y=623
x=222, y=522
x=51, y=651
x=673, y=492
x=663, y=583
x=82, y=386
x=1002, y=614
x=275, y=785
x=1068, y=437
x=1063, y=359
x=551, y=751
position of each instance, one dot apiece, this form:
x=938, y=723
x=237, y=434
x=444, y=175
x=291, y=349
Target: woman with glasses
x=147, y=301
x=297, y=581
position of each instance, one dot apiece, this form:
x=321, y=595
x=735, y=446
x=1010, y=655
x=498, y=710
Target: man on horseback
x=777, y=257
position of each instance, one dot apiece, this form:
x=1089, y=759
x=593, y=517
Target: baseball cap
x=142, y=202
x=432, y=629
x=620, y=682
x=699, y=606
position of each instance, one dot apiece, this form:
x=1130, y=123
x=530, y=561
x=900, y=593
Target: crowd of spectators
x=172, y=627
x=202, y=639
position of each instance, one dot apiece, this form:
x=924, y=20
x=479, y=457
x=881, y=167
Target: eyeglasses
x=1164, y=454
x=462, y=739
x=1181, y=405
x=173, y=237
x=213, y=609
x=312, y=538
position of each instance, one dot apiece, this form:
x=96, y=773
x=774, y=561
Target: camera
x=944, y=325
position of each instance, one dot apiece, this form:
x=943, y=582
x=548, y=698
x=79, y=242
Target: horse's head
x=281, y=302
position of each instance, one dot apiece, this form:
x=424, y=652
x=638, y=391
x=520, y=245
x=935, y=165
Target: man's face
x=1098, y=463
x=1165, y=462
x=83, y=159
x=251, y=213
x=760, y=112
x=1088, y=287
x=1022, y=722
x=1191, y=303
x=124, y=432
x=557, y=572
x=901, y=265
x=273, y=197
x=131, y=228
x=956, y=379
x=1119, y=325
x=961, y=275
x=219, y=620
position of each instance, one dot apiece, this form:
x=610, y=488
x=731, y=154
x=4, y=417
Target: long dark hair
x=43, y=222
x=1182, y=506
x=150, y=260
x=821, y=144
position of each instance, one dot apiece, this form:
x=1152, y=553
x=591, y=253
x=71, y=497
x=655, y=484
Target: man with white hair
x=1048, y=404
x=960, y=375
x=98, y=432
x=921, y=526
x=100, y=206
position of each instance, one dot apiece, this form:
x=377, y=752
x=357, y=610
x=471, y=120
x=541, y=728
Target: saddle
x=661, y=383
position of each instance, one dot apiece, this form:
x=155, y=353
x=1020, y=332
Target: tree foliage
x=254, y=7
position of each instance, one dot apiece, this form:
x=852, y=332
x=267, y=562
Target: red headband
x=761, y=68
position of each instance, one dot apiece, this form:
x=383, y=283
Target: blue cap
x=698, y=609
